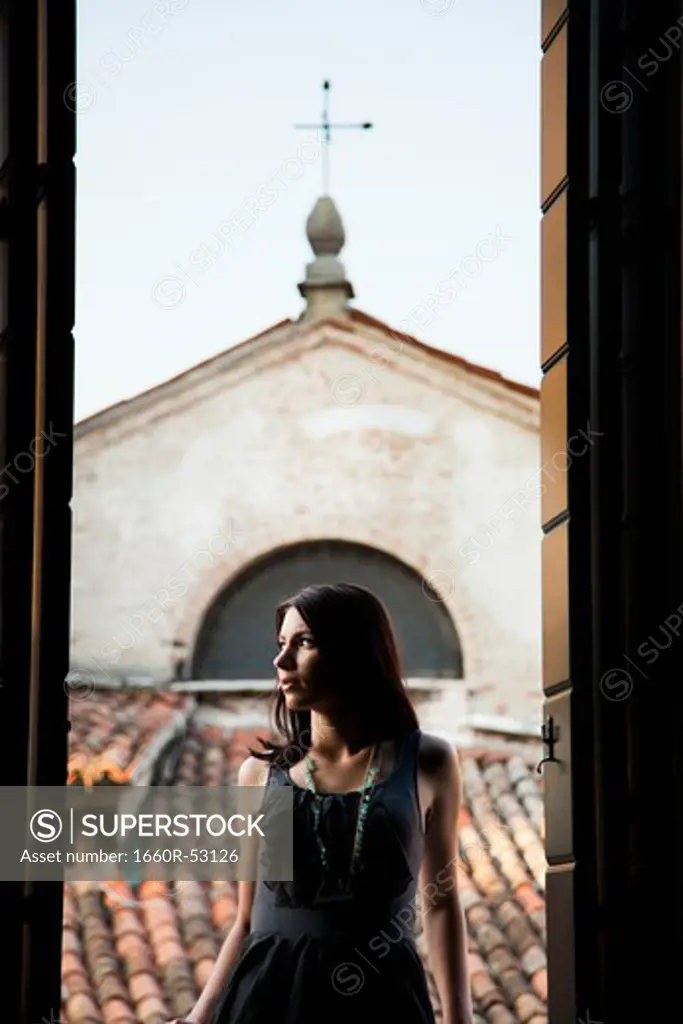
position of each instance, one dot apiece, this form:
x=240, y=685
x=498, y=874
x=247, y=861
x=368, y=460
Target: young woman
x=375, y=814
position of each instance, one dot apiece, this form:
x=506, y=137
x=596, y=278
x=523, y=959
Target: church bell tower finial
x=325, y=287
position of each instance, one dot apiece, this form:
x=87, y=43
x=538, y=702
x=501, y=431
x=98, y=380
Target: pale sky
x=186, y=109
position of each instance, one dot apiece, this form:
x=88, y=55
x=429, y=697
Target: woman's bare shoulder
x=437, y=757
x=252, y=772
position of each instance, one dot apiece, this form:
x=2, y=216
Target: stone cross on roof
x=327, y=128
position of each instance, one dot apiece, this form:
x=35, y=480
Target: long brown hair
x=354, y=634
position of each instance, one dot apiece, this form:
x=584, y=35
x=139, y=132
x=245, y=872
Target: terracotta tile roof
x=112, y=731
x=143, y=954
x=502, y=884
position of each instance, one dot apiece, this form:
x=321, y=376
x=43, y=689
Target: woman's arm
x=442, y=914
x=203, y=1009
x=252, y=772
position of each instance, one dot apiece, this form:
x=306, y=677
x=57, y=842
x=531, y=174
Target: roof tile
x=534, y=959
x=138, y=961
x=152, y=1011
x=539, y=983
x=501, y=1014
x=112, y=987
x=143, y=985
x=529, y=898
x=82, y=1009
x=202, y=972
x=72, y=963
x=528, y=1006
x=503, y=964
x=78, y=984
x=117, y=1011
x=485, y=991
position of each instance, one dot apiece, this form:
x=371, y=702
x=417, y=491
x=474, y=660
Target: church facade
x=328, y=447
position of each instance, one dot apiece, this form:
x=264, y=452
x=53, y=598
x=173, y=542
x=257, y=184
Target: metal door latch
x=550, y=737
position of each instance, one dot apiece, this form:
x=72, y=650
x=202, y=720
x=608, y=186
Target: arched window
x=236, y=641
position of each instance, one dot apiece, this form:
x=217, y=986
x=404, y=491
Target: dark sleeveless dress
x=318, y=952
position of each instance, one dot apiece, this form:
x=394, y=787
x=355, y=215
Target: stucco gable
x=381, y=350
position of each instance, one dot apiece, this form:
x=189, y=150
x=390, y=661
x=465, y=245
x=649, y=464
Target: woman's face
x=298, y=665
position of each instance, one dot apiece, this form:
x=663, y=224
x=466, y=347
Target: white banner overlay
x=140, y=833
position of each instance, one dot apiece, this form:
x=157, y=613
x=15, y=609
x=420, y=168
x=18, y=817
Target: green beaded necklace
x=366, y=791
